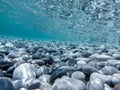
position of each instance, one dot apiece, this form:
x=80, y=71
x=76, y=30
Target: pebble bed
x=30, y=65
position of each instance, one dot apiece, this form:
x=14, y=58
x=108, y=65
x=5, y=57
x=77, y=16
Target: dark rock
x=5, y=84
x=1, y=73
x=58, y=74
x=31, y=84
x=85, y=54
x=11, y=69
x=36, y=55
x=87, y=69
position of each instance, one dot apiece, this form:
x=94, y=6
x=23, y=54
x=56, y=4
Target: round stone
x=45, y=78
x=24, y=71
x=78, y=75
x=116, y=56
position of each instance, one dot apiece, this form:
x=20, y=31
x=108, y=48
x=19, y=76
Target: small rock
x=45, y=86
x=109, y=70
x=78, y=75
x=107, y=87
x=13, y=55
x=1, y=73
x=100, y=57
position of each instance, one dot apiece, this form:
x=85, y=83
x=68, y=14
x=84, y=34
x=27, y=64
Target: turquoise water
x=83, y=21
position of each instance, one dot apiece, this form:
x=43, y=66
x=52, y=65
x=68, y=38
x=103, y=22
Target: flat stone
x=100, y=57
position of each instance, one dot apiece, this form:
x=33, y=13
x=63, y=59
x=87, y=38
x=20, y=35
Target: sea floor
x=33, y=65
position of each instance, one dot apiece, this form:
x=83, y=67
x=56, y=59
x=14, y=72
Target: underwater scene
x=59, y=44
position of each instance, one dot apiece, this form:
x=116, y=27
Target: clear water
x=83, y=21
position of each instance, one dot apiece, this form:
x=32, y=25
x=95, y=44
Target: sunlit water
x=83, y=21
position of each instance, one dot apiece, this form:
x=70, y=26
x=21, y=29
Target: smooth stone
x=69, y=84
x=78, y=75
x=108, y=70
x=42, y=70
x=31, y=84
x=39, y=62
x=17, y=84
x=107, y=87
x=58, y=74
x=100, y=57
x=95, y=84
x=24, y=71
x=45, y=86
x=87, y=69
x=116, y=56
x=13, y=55
x=116, y=78
x=105, y=78
x=44, y=78
x=5, y=84
x=117, y=87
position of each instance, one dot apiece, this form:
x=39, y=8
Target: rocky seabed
x=31, y=65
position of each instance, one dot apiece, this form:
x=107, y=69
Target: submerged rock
x=24, y=71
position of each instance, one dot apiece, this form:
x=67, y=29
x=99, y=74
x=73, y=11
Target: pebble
x=44, y=78
x=78, y=75
x=24, y=71
x=45, y=86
